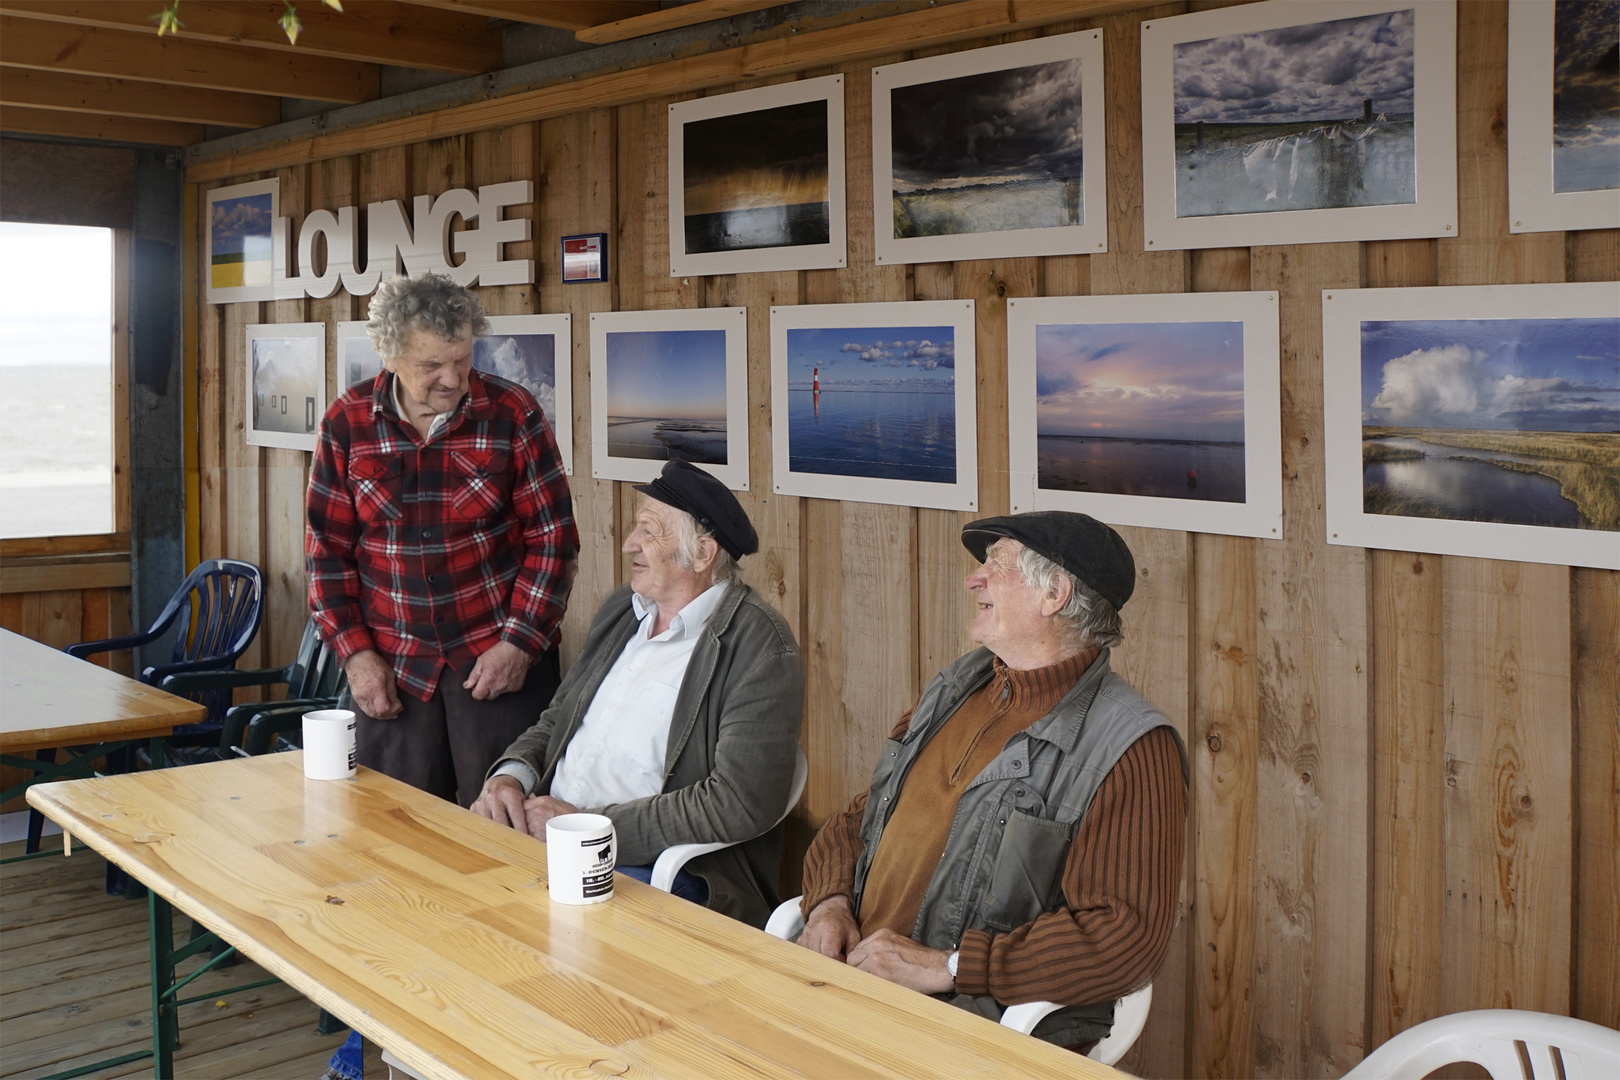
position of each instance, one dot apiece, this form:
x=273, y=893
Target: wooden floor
x=74, y=988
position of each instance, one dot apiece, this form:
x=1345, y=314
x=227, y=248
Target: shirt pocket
x=1028, y=869
x=480, y=484
x=374, y=481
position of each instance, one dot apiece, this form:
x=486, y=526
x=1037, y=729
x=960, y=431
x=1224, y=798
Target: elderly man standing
x=680, y=719
x=440, y=547
x=1022, y=836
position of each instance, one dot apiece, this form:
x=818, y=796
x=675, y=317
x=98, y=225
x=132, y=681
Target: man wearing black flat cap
x=1022, y=837
x=680, y=719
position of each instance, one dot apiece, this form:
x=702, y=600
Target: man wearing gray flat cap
x=680, y=719
x=1022, y=837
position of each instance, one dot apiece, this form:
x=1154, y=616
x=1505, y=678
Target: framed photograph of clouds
x=875, y=403
x=357, y=358
x=982, y=154
x=536, y=352
x=286, y=384
x=669, y=384
x=1563, y=115
x=1475, y=420
x=1156, y=410
x=241, y=224
x=756, y=180
x=1299, y=121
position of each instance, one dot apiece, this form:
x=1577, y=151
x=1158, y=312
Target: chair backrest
x=228, y=596
x=1510, y=1044
x=315, y=672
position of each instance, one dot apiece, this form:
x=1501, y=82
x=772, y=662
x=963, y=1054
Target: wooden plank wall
x=1404, y=788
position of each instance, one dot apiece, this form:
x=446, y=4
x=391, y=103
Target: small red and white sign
x=584, y=258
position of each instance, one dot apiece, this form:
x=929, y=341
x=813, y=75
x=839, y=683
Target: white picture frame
x=516, y=350
x=1534, y=203
x=239, y=231
x=1453, y=354
x=844, y=432
x=1105, y=410
x=357, y=357
x=962, y=89
x=743, y=154
x=285, y=370
x=639, y=364
x=1329, y=153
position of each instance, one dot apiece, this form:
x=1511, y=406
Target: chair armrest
x=276, y=719
x=672, y=858
x=90, y=648
x=1024, y=1017
x=1130, y=1017
x=154, y=675
x=787, y=921
x=187, y=681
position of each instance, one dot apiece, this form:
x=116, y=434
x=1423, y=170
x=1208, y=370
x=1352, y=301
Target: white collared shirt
x=440, y=420
x=617, y=754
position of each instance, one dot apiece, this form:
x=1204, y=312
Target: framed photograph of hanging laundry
x=357, y=357
x=1299, y=121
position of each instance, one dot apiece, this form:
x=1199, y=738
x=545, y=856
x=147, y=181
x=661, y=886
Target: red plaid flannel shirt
x=432, y=552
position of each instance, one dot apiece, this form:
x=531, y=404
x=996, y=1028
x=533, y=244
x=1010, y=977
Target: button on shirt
x=617, y=754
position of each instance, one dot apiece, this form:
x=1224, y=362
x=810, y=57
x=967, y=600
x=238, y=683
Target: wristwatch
x=950, y=963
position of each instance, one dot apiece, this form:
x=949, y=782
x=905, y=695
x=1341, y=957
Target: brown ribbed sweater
x=1120, y=882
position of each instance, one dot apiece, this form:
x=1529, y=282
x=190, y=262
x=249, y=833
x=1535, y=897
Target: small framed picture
x=241, y=228
x=1563, y=115
x=669, y=384
x=286, y=384
x=1299, y=121
x=356, y=356
x=584, y=258
x=1161, y=411
x=756, y=180
x=875, y=403
x=1475, y=420
x=536, y=352
x=991, y=153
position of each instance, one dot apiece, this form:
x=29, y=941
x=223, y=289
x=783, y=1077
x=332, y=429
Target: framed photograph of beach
x=1563, y=115
x=1299, y=121
x=669, y=384
x=536, y=352
x=1155, y=410
x=983, y=154
x=241, y=224
x=875, y=403
x=1475, y=420
x=286, y=384
x=357, y=358
x=756, y=180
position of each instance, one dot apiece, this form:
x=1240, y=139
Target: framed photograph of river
x=1475, y=420
x=1148, y=410
x=1299, y=121
x=1563, y=115
x=756, y=180
x=983, y=154
x=669, y=384
x=875, y=403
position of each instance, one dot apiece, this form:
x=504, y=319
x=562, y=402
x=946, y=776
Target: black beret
x=687, y=487
x=1081, y=544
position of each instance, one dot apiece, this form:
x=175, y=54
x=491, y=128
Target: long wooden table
x=429, y=930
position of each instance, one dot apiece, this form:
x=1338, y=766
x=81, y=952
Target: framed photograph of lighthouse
x=1299, y=121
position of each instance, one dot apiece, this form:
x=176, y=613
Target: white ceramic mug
x=580, y=854
x=329, y=747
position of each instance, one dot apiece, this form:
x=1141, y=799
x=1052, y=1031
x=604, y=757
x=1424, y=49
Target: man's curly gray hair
x=431, y=302
x=1088, y=619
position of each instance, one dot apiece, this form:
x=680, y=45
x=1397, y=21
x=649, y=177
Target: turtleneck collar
x=1041, y=688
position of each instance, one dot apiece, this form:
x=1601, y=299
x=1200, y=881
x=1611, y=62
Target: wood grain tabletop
x=48, y=698
x=429, y=930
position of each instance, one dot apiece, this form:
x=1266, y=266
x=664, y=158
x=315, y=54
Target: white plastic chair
x=1130, y=1011
x=672, y=859
x=1491, y=1038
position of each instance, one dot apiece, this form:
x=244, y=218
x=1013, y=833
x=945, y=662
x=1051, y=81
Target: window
x=60, y=438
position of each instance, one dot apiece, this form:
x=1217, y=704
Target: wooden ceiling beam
x=88, y=50
x=16, y=121
x=129, y=97
x=562, y=14
x=372, y=31
x=656, y=22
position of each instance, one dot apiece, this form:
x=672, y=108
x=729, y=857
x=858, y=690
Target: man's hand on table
x=540, y=809
x=888, y=955
x=502, y=802
x=500, y=669
x=371, y=682
x=831, y=929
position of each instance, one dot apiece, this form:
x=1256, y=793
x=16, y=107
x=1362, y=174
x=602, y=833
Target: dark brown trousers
x=446, y=744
